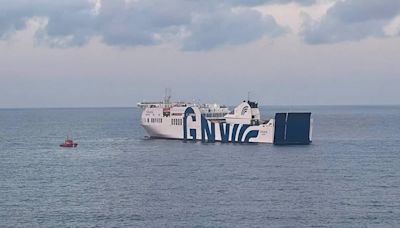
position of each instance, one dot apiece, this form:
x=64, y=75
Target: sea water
x=116, y=177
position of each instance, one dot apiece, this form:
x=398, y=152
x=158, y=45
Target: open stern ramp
x=293, y=128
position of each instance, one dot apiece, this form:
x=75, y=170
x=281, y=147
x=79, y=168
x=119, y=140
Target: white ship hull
x=190, y=124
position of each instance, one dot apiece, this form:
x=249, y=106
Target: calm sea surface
x=348, y=177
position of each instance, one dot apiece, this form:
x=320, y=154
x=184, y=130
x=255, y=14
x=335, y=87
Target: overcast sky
x=78, y=53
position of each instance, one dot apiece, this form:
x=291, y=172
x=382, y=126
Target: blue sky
x=115, y=53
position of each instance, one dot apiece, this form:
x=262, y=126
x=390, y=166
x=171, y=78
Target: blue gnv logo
x=228, y=133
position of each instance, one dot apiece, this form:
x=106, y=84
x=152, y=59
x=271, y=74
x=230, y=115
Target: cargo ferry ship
x=217, y=123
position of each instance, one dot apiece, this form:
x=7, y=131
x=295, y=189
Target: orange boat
x=69, y=143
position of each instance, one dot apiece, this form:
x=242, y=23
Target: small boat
x=69, y=143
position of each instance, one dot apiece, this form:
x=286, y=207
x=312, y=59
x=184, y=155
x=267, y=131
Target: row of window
x=176, y=121
x=179, y=121
x=152, y=120
x=218, y=114
x=159, y=120
x=156, y=120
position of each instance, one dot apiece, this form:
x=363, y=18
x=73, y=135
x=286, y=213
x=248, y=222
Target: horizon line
x=283, y=105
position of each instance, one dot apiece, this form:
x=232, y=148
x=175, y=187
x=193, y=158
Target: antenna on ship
x=248, y=96
x=167, y=97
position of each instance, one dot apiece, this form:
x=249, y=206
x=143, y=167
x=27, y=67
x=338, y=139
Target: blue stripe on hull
x=208, y=129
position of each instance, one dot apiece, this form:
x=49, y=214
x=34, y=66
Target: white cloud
x=393, y=27
x=351, y=20
x=96, y=6
x=140, y=22
x=199, y=25
x=291, y=15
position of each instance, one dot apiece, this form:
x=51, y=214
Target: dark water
x=349, y=176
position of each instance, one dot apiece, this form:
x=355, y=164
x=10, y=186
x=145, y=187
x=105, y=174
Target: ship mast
x=248, y=95
x=167, y=97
